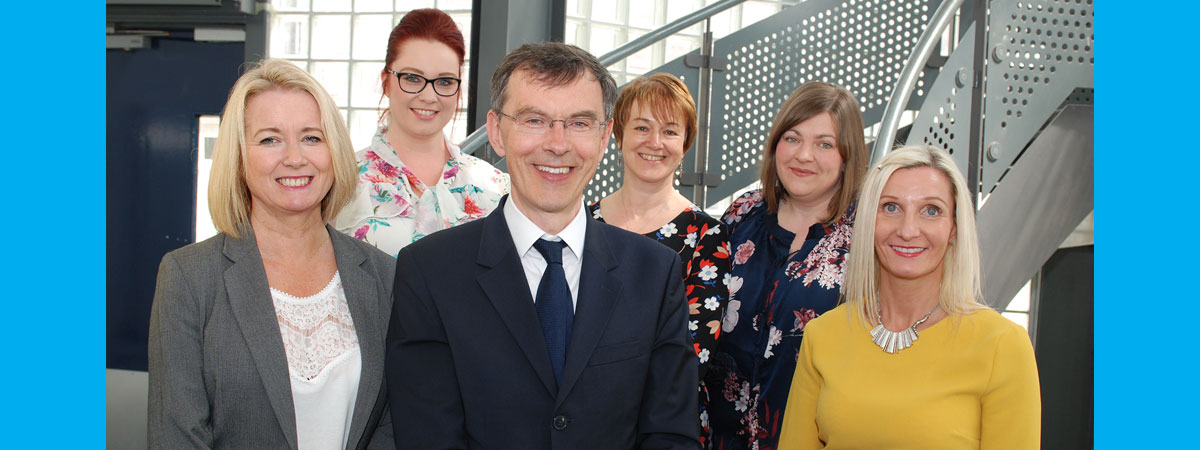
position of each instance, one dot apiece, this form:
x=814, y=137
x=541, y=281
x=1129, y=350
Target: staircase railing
x=1012, y=104
x=858, y=44
x=476, y=139
x=1033, y=58
x=942, y=18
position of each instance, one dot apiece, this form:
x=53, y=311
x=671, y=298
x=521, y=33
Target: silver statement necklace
x=894, y=341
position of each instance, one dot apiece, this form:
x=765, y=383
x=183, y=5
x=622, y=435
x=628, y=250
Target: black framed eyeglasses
x=413, y=83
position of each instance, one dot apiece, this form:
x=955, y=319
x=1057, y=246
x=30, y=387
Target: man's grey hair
x=552, y=64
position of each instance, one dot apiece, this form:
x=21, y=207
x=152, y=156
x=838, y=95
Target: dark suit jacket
x=467, y=366
x=218, y=372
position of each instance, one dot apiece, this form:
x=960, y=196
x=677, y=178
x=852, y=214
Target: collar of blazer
x=250, y=299
x=504, y=284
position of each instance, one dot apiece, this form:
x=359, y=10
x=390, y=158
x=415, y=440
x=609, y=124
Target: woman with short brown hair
x=655, y=125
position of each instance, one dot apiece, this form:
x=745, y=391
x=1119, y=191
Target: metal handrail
x=645, y=40
x=474, y=140
x=908, y=77
x=471, y=143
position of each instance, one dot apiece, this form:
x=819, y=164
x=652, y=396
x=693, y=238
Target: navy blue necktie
x=554, y=304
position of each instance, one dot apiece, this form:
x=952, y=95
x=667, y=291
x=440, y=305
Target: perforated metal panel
x=858, y=44
x=1040, y=57
x=944, y=120
x=1081, y=96
x=1039, y=53
x=1037, y=145
x=608, y=175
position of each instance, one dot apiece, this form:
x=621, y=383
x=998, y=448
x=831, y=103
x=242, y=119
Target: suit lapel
x=250, y=299
x=598, y=291
x=363, y=298
x=502, y=278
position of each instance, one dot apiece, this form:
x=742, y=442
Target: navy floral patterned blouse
x=773, y=294
x=703, y=247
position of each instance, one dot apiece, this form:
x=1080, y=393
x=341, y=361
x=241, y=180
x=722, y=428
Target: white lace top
x=324, y=362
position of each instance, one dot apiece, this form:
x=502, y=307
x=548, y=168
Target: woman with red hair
x=654, y=121
x=412, y=180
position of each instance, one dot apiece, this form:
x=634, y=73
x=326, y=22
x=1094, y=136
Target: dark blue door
x=154, y=99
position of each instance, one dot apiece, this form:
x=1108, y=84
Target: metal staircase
x=1011, y=100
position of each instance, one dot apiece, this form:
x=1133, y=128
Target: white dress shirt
x=524, y=233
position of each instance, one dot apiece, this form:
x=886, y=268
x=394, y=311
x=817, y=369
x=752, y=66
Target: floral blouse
x=772, y=295
x=392, y=208
x=703, y=247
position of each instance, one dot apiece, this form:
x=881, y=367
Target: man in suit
x=501, y=336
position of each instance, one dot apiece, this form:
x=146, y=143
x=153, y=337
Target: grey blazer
x=218, y=373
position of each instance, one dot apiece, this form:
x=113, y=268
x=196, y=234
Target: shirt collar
x=455, y=152
x=383, y=148
x=524, y=232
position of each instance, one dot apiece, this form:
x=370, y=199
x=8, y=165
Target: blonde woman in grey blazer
x=271, y=334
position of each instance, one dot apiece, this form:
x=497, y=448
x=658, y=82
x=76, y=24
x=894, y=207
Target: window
x=342, y=43
x=206, y=139
x=1018, y=309
x=601, y=26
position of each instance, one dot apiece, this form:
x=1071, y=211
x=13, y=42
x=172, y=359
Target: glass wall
x=343, y=44
x=599, y=26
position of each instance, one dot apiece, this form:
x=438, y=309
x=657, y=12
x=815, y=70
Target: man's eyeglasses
x=414, y=84
x=534, y=123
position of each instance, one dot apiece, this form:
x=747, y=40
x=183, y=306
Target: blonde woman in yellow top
x=863, y=378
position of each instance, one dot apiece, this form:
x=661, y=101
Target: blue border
x=1145, y=107
x=54, y=181
x=1145, y=388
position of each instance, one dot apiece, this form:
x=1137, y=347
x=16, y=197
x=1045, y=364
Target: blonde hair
x=961, y=291
x=228, y=196
x=812, y=99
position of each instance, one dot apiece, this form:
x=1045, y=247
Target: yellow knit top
x=968, y=382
